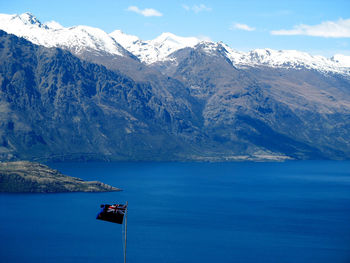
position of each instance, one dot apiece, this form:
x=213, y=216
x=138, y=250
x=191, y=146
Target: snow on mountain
x=342, y=60
x=158, y=49
x=53, y=25
x=76, y=39
x=124, y=39
x=287, y=59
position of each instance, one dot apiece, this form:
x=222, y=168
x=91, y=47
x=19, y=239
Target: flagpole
x=126, y=228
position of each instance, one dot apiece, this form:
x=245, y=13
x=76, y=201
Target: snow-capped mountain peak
x=213, y=48
x=28, y=19
x=79, y=39
x=342, y=60
x=17, y=22
x=53, y=25
x=76, y=39
x=174, y=40
x=123, y=39
x=292, y=59
x=157, y=49
x=288, y=59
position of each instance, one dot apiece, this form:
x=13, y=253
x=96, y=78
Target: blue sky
x=318, y=27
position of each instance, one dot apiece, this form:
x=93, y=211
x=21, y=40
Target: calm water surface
x=188, y=212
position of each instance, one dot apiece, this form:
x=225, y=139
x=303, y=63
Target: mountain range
x=79, y=93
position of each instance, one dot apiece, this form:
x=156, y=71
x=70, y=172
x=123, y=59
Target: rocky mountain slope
x=296, y=111
x=27, y=177
x=55, y=106
x=171, y=98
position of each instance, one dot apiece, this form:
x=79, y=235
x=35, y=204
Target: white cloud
x=197, y=8
x=335, y=29
x=242, y=27
x=145, y=12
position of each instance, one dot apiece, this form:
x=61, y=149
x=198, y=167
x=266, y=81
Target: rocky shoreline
x=29, y=177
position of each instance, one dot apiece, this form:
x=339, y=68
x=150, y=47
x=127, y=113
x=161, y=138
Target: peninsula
x=30, y=177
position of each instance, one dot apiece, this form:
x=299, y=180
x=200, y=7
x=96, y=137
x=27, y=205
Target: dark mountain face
x=297, y=112
x=55, y=106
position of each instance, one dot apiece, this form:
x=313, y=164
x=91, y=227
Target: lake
x=290, y=212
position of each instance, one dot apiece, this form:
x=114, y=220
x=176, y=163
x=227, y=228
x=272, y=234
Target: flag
x=112, y=213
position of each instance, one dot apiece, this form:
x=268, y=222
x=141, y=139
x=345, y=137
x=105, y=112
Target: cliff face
x=28, y=177
x=295, y=111
x=57, y=107
x=197, y=106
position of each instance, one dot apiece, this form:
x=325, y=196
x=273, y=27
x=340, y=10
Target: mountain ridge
x=197, y=104
x=118, y=43
x=56, y=106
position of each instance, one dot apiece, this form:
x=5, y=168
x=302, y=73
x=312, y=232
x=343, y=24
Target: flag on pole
x=112, y=213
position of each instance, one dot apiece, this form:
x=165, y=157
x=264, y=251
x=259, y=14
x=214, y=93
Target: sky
x=319, y=27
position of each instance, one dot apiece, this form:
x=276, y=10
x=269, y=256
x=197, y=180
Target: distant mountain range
x=79, y=93
x=83, y=39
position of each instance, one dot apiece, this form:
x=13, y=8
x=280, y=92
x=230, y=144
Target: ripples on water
x=289, y=212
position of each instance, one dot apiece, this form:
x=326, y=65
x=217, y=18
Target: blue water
x=188, y=212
